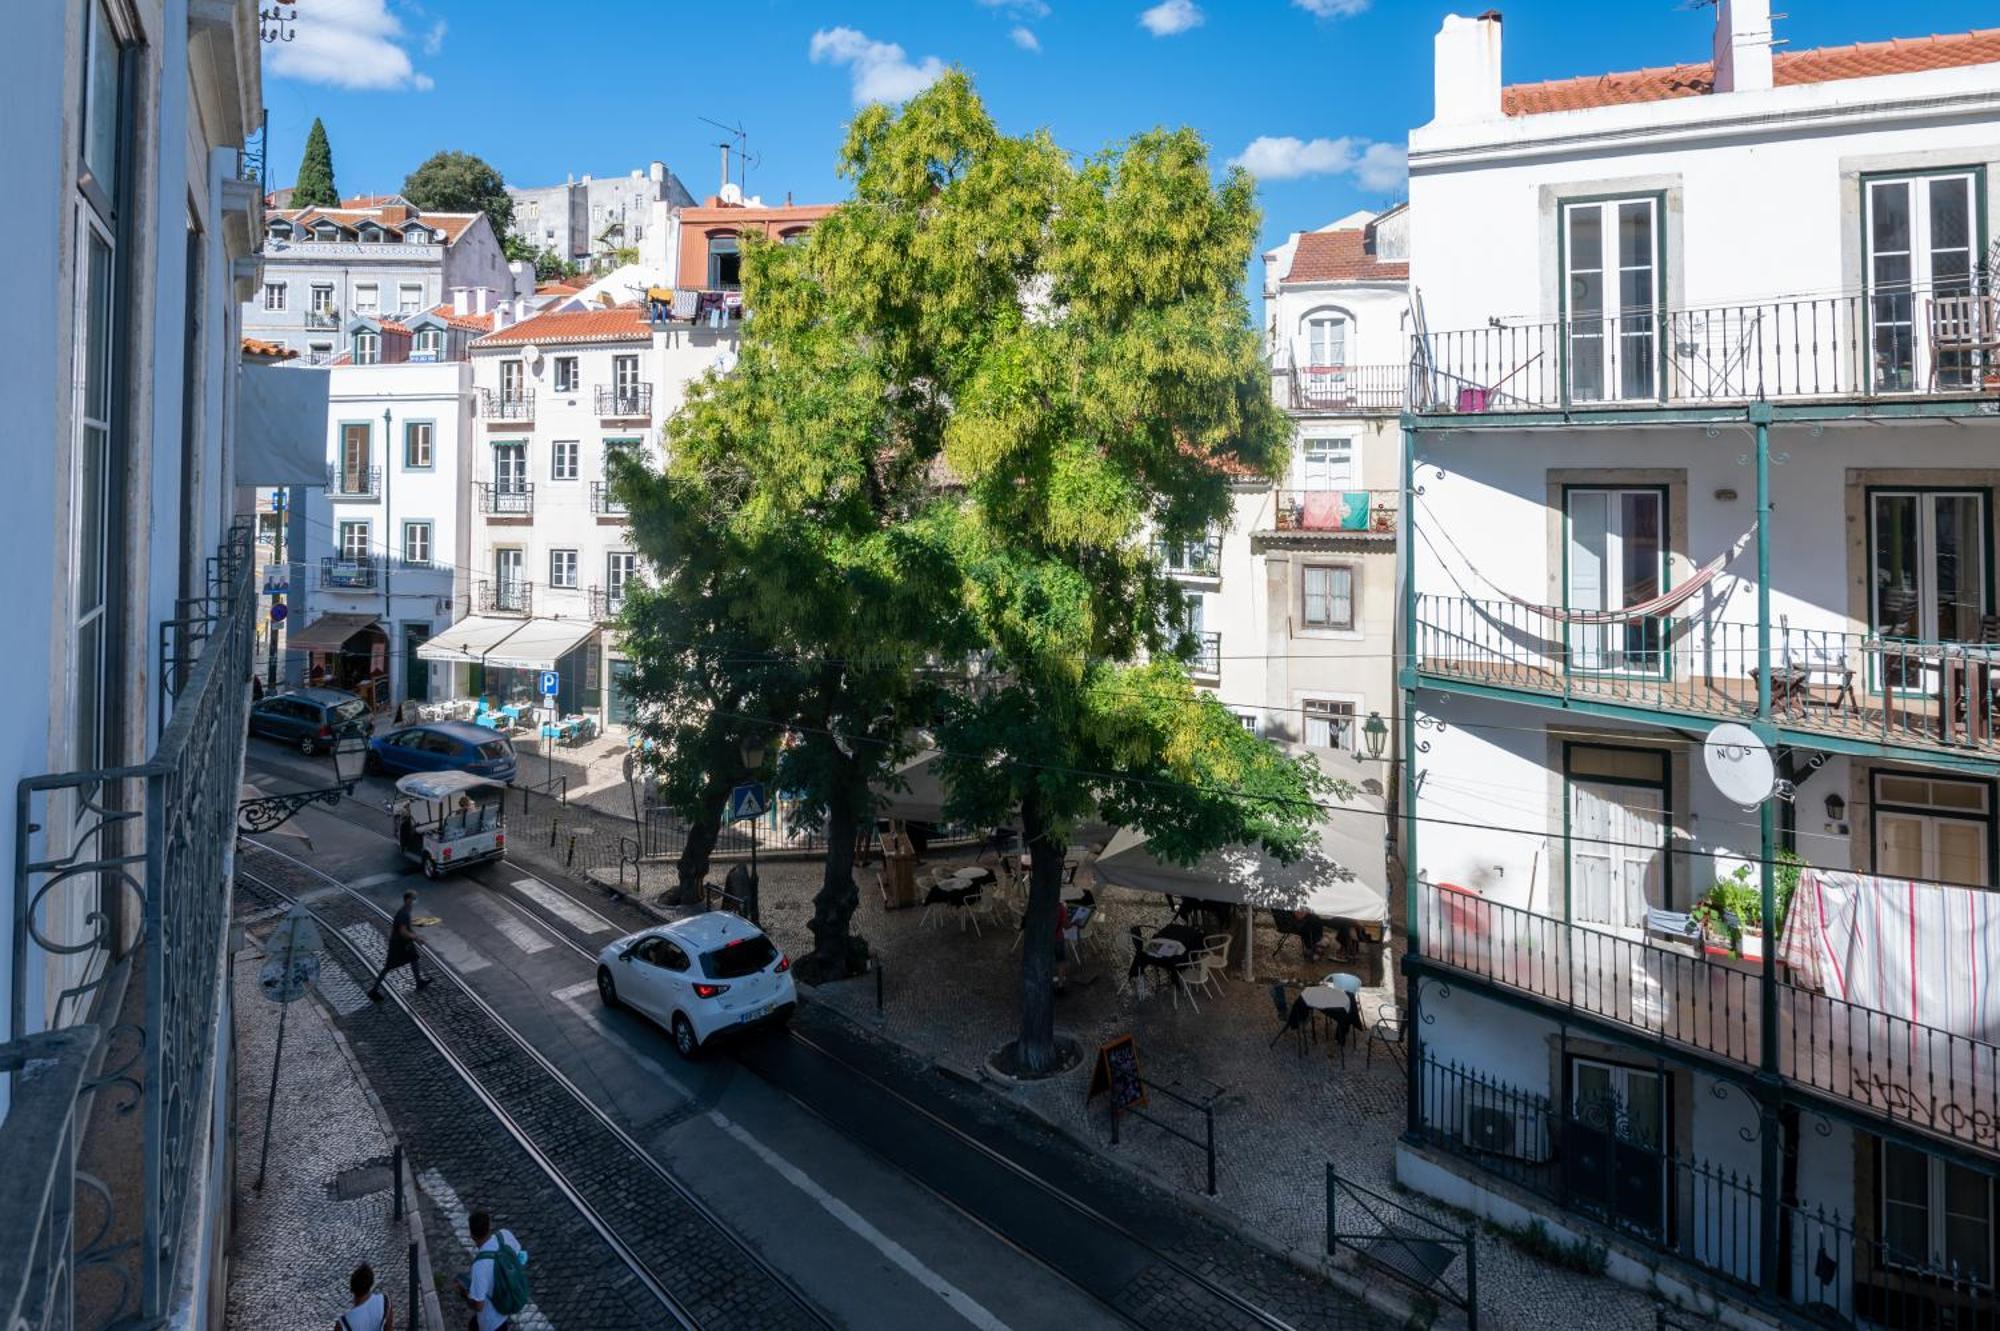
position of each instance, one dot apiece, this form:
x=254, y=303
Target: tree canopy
x=458, y=182
x=314, y=187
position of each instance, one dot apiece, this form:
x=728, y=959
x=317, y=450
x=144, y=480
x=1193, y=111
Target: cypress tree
x=314, y=187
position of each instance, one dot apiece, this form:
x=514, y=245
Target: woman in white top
x=371, y=1311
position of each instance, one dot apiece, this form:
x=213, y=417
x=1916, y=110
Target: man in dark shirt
x=402, y=948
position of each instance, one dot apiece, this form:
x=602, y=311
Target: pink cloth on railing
x=1322, y=510
x=1924, y=952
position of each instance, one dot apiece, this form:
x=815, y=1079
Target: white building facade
x=588, y=219
x=1703, y=433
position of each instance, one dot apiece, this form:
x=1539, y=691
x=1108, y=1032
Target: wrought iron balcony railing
x=1336, y=512
x=518, y=405
x=505, y=597
x=1888, y=344
x=604, y=606
x=323, y=319
x=1192, y=559
x=345, y=482
x=508, y=499
x=347, y=575
x=603, y=502
x=1207, y=658
x=623, y=401
x=1870, y=686
x=1360, y=390
x=121, y=887
x=1939, y=1081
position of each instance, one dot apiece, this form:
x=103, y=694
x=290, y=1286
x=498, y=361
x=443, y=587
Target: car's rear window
x=351, y=710
x=735, y=960
x=494, y=748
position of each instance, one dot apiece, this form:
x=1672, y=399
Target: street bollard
x=1209, y=1114
x=569, y=861
x=396, y=1211
x=878, y=988
x=413, y=1320
x=553, y=824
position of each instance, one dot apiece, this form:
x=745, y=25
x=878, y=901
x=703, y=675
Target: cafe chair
x=1387, y=1032
x=1293, y=1016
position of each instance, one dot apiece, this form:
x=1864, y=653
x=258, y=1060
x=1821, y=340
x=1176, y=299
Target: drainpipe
x=389, y=543
x=1405, y=653
x=1770, y=1086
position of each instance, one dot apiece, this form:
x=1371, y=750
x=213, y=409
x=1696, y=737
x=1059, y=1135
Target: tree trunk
x=702, y=835
x=838, y=954
x=1035, y=1051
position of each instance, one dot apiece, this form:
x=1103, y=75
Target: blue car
x=442, y=746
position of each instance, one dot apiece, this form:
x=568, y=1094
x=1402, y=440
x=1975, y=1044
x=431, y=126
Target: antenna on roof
x=741, y=138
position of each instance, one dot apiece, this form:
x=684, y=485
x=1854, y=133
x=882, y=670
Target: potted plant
x=1734, y=910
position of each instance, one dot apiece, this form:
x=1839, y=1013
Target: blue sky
x=543, y=90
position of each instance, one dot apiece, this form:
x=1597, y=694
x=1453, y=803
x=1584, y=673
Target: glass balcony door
x=1921, y=233
x=1616, y=559
x=1613, y=296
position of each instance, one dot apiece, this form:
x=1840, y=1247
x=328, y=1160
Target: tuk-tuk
x=445, y=820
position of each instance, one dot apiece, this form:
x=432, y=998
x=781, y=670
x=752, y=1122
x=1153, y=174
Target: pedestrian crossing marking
x=578, y=917
x=510, y=926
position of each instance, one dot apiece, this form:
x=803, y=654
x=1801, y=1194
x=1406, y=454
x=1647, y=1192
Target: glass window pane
x=101, y=104
x=1586, y=238
x=1896, y=572
x=1642, y=542
x=1951, y=229
x=1889, y=220
x=1961, y=566
x=1635, y=235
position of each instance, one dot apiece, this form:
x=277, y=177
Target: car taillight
x=784, y=964
x=500, y=838
x=326, y=732
x=709, y=990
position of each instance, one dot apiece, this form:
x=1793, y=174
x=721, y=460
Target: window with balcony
x=1612, y=295
x=274, y=296
x=1329, y=723
x=357, y=458
x=1928, y=567
x=513, y=380
x=619, y=567
x=353, y=541
x=367, y=348
x=563, y=460
x=510, y=587
x=510, y=467
x=1328, y=596
x=1620, y=820
x=1616, y=557
x=567, y=377
x=419, y=443
x=1932, y=830
x=417, y=543
x=319, y=302
x=1323, y=340
x=625, y=379
x=1615, y=1144
x=1326, y=463
x=562, y=568
x=1936, y=1216
x=1922, y=233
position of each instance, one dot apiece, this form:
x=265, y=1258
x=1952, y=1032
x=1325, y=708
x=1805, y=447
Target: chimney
x=1742, y=45
x=459, y=302
x=1467, y=54
x=656, y=171
x=500, y=319
x=394, y=212
x=725, y=163
x=482, y=298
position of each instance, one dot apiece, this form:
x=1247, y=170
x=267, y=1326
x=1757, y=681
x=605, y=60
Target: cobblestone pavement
x=455, y=1135
x=327, y=1201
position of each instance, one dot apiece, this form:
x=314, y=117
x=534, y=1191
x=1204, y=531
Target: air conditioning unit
x=1497, y=1130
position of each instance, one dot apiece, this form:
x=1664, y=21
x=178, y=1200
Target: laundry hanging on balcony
x=1925, y=952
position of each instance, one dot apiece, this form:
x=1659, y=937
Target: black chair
x=1295, y=1015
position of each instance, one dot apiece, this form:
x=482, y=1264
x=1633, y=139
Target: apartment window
x=1922, y=235
x=567, y=376
x=356, y=457
x=1932, y=830
x=1323, y=340
x=625, y=375
x=367, y=348
x=563, y=460
x=320, y=299
x=419, y=438
x=319, y=353
x=1326, y=463
x=562, y=568
x=416, y=235
x=1937, y=1216
x=1329, y=596
x=417, y=543
x=274, y=296
x=511, y=380
x=725, y=262
x=1617, y=558
x=1248, y=720
x=510, y=467
x=1620, y=816
x=1329, y=723
x=511, y=590
x=409, y=297
x=1615, y=1143
x=427, y=344
x=618, y=570
x=1612, y=297
x=1929, y=571
x=326, y=231
x=367, y=297
x=354, y=541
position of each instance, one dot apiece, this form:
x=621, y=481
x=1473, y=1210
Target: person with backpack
x=496, y=1288
x=372, y=1310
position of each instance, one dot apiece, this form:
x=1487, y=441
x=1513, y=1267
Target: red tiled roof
x=366, y=201
x=269, y=350
x=452, y=225
x=1827, y=64
x=620, y=323
x=1341, y=256
x=477, y=323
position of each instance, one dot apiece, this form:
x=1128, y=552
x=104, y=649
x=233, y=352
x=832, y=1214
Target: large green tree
x=314, y=187
x=458, y=182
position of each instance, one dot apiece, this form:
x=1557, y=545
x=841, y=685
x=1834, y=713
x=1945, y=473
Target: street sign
x=277, y=579
x=551, y=683
x=746, y=801
x=278, y=612
x=291, y=957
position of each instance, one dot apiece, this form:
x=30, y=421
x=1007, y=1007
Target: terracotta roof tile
x=270, y=350
x=1827, y=64
x=620, y=323
x=452, y=225
x=1340, y=256
x=477, y=323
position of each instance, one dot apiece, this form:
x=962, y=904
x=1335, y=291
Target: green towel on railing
x=1354, y=510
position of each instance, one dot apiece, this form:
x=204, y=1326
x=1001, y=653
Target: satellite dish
x=1740, y=764
x=532, y=354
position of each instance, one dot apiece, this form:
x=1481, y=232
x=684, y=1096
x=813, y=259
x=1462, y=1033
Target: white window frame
x=562, y=567
x=565, y=459
x=1326, y=339
x=568, y=374
x=1317, y=455
x=1613, y=337
x=427, y=342
x=421, y=529
x=1902, y=304
x=510, y=466
x=1323, y=709
x=320, y=299
x=1330, y=596
x=275, y=296
x=367, y=347
x=620, y=567
x=425, y=433
x=409, y=297
x=367, y=298
x=352, y=539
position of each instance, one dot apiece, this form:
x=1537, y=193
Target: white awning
x=470, y=639
x=541, y=643
x=1344, y=874
x=923, y=801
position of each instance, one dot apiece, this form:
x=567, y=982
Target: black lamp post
x=1375, y=733
x=270, y=812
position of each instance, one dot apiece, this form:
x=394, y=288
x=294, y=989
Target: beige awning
x=327, y=633
x=470, y=639
x=541, y=643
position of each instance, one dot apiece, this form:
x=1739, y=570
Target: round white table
x=972, y=875
x=1166, y=949
x=1322, y=997
x=1347, y=984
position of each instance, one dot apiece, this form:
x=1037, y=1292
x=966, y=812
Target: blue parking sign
x=551, y=682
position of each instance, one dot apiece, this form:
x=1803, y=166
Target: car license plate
x=754, y=1013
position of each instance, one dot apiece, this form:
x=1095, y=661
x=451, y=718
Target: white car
x=699, y=977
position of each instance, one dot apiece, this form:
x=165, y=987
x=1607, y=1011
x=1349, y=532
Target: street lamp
x=270, y=812
x=1375, y=732
x=1836, y=808
x=751, y=749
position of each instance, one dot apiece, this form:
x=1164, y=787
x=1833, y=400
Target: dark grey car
x=308, y=719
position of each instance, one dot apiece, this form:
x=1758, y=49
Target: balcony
x=624, y=401
x=356, y=483
x=1207, y=659
x=604, y=606
x=1193, y=559
x=510, y=499
x=518, y=405
x=1348, y=390
x=691, y=305
x=1351, y=513
x=347, y=575
x=603, y=502
x=1862, y=686
x=1884, y=347
x=323, y=319
x=504, y=597
x=1946, y=1084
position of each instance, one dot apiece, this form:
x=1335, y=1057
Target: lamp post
x=752, y=752
x=388, y=548
x=1375, y=734
x=269, y=812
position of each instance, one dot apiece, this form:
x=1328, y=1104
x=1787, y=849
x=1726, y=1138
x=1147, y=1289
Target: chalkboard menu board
x=1117, y=1073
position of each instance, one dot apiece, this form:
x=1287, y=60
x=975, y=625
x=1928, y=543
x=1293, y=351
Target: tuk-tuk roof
x=443, y=785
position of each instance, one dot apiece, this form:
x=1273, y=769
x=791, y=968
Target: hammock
x=1659, y=605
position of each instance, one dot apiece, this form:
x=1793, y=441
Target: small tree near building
x=314, y=187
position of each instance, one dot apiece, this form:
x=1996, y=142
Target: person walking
x=402, y=948
x=496, y=1287
x=372, y=1310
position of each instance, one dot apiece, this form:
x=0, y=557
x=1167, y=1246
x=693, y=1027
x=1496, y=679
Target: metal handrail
x=337, y=574
x=623, y=400
x=1357, y=389
x=512, y=500
x=603, y=502
x=503, y=598
x=1329, y=510
x=516, y=406
x=344, y=482
x=1403, y=1244
x=1207, y=659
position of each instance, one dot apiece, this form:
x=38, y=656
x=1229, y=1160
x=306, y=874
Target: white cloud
x=355, y=44
x=1332, y=8
x=1024, y=9
x=1172, y=16
x=882, y=72
x=1024, y=39
x=1379, y=167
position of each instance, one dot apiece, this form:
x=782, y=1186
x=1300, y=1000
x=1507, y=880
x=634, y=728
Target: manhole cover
x=363, y=1180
